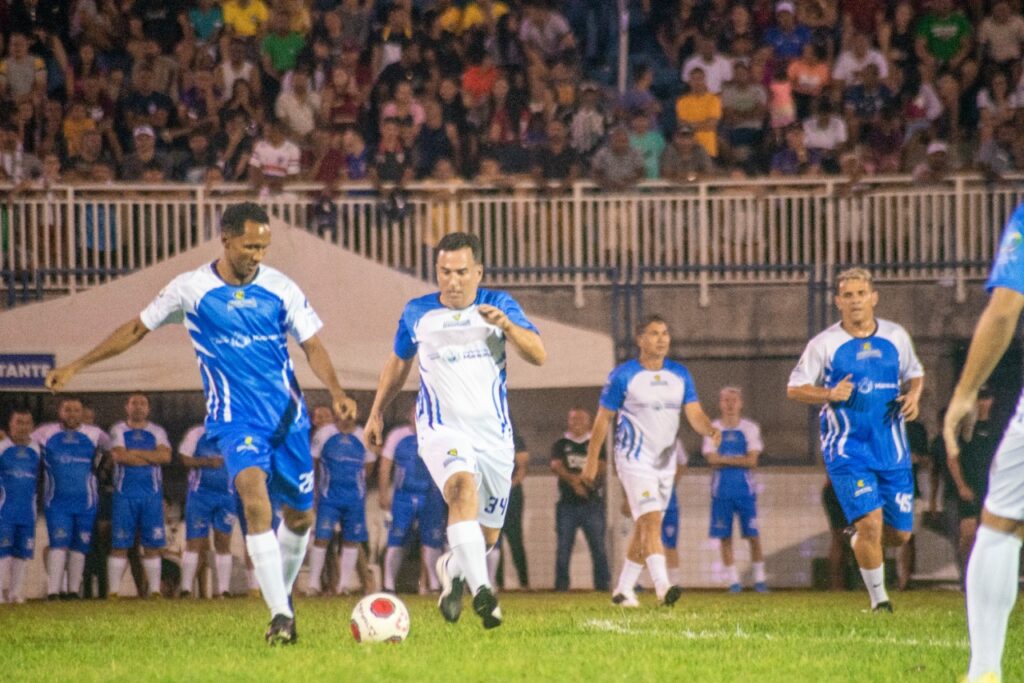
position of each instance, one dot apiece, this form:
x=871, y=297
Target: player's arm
x=573, y=480
x=384, y=482
x=911, y=399
x=592, y=469
x=527, y=343
x=701, y=423
x=322, y=366
x=816, y=395
x=161, y=455
x=392, y=379
x=119, y=341
x=124, y=456
x=213, y=461
x=522, y=462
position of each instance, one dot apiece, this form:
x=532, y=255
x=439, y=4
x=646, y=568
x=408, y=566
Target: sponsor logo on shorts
x=247, y=446
x=861, y=489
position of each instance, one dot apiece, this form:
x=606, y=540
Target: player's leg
x=720, y=528
x=513, y=533
x=59, y=527
x=151, y=524
x=81, y=543
x=966, y=535
x=223, y=561
x=649, y=523
x=732, y=575
x=22, y=552
x=353, y=533
x=122, y=539
x=859, y=495
x=751, y=530
x=197, y=531
x=327, y=516
x=624, y=594
x=403, y=514
x=6, y=547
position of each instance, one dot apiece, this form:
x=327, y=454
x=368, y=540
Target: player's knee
x=460, y=489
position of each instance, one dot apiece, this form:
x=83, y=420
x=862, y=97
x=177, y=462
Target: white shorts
x=646, y=490
x=446, y=452
x=1005, y=496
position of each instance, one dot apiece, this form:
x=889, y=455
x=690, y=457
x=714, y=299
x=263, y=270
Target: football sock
x=5, y=572
x=317, y=557
x=659, y=574
x=732, y=575
x=115, y=570
x=15, y=590
x=55, y=576
x=349, y=556
x=189, y=563
x=469, y=548
x=293, y=552
x=430, y=556
x=266, y=562
x=992, y=573
x=493, y=558
x=76, y=568
x=628, y=577
x=152, y=567
x=223, y=562
x=874, y=579
x=759, y=573
x=392, y=561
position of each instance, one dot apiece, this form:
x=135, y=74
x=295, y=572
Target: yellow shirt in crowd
x=694, y=109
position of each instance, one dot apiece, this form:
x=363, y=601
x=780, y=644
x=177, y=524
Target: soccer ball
x=380, y=618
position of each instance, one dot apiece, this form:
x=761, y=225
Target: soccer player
x=343, y=463
x=994, y=565
x=20, y=460
x=239, y=314
x=732, y=489
x=647, y=395
x=415, y=500
x=209, y=502
x=139, y=448
x=462, y=421
x=69, y=460
x=864, y=373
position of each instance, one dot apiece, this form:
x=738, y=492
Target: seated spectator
x=391, y=162
x=483, y=15
x=744, y=107
x=144, y=106
x=324, y=161
x=356, y=21
x=15, y=164
x=685, y=160
x=512, y=158
x=701, y=109
x=76, y=123
x=206, y=21
x=786, y=38
x=245, y=18
x=191, y=164
x=144, y=156
x=587, y=128
x=925, y=107
x=298, y=107
x=233, y=147
x=408, y=68
x=851, y=63
x=479, y=78
x=436, y=140
x=781, y=103
x=740, y=33
x=22, y=75
x=97, y=102
x=243, y=100
x=274, y=159
x=825, y=133
x=995, y=155
x=898, y=42
x=884, y=140
x=795, y=158
x=935, y=168
x=357, y=156
x=617, y=166
x=556, y=160
x=1001, y=36
x=237, y=68
x=943, y=35
x=864, y=103
x=717, y=68
x=649, y=143
x=164, y=70
x=341, y=100
x=91, y=151
x=995, y=103
x=809, y=76
x=404, y=106
x=638, y=96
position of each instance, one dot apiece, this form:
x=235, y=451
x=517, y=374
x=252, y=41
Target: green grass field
x=783, y=636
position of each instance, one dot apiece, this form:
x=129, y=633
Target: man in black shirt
x=556, y=160
x=579, y=507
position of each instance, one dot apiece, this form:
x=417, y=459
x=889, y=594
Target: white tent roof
x=358, y=300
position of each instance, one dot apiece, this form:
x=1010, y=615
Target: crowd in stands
x=337, y=91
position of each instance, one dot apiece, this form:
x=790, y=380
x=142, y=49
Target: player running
x=462, y=419
x=648, y=394
x=994, y=565
x=239, y=314
x=856, y=369
x=20, y=460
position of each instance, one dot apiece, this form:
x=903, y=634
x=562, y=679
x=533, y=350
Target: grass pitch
x=784, y=636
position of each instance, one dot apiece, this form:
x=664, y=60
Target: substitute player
x=994, y=565
x=20, y=460
x=648, y=395
x=239, y=314
x=857, y=369
x=462, y=421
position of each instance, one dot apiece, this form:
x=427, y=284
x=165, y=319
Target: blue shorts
x=670, y=523
x=861, y=490
x=287, y=463
x=350, y=515
x=426, y=510
x=723, y=510
x=142, y=516
x=204, y=509
x=17, y=540
x=70, y=529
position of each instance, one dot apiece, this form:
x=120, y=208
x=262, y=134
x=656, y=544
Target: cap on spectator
x=684, y=129
x=589, y=86
x=986, y=391
x=784, y=7
x=937, y=147
x=143, y=130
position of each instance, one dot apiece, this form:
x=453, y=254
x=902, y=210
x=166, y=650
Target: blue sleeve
x=511, y=308
x=405, y=346
x=614, y=393
x=689, y=389
x=1008, y=269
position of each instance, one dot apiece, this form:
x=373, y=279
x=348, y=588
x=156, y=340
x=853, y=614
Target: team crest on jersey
x=867, y=351
x=865, y=386
x=238, y=300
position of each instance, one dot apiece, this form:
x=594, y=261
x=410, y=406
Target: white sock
x=15, y=590
x=293, y=552
x=189, y=563
x=266, y=562
x=76, y=568
x=317, y=557
x=469, y=548
x=393, y=557
x=659, y=574
x=250, y=579
x=874, y=579
x=349, y=556
x=115, y=570
x=57, y=559
x=759, y=573
x=628, y=577
x=493, y=558
x=151, y=565
x=223, y=562
x=732, y=575
x=430, y=556
x=5, y=573
x=992, y=575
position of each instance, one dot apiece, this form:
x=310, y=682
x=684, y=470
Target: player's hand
x=909, y=406
x=589, y=474
x=345, y=407
x=494, y=316
x=58, y=378
x=716, y=436
x=959, y=408
x=842, y=391
x=966, y=494
x=374, y=430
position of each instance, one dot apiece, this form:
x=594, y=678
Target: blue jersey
x=738, y=441
x=867, y=429
x=341, y=461
x=240, y=335
x=198, y=444
x=19, y=475
x=68, y=460
x=649, y=405
x=138, y=481
x=411, y=473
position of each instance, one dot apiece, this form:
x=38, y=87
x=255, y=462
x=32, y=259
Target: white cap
x=937, y=147
x=143, y=130
x=784, y=7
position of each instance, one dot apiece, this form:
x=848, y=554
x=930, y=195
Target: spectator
x=90, y=152
x=394, y=36
x=639, y=96
x=483, y=15
x=237, y=68
x=685, y=160
x=144, y=106
x=405, y=107
x=356, y=20
x=280, y=48
x=943, y=35
x=504, y=44
x=1001, y=36
x=357, y=157
x=21, y=74
x=935, y=167
x=76, y=123
x=809, y=76
x=545, y=35
x=160, y=20
x=556, y=160
x=825, y=133
x=233, y=147
x=781, y=103
x=898, y=42
x=884, y=141
x=995, y=103
x=245, y=18
x=787, y=38
x=924, y=107
x=297, y=108
x=409, y=68
x=164, y=70
x=479, y=78
x=324, y=161
x=191, y=164
x=649, y=143
x=134, y=165
x=851, y=63
x=995, y=156
x=702, y=110
x=274, y=159
x=512, y=532
x=245, y=102
x=744, y=107
x=587, y=128
x=436, y=140
x=341, y=100
x=391, y=161
x=206, y=21
x=617, y=166
x=865, y=102
x=795, y=158
x=717, y=68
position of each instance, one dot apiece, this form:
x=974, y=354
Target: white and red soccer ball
x=380, y=618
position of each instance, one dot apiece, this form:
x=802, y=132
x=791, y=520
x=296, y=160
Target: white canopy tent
x=359, y=302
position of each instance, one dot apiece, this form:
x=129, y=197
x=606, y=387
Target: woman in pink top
x=404, y=106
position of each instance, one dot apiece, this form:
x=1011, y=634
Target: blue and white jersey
x=19, y=474
x=198, y=444
x=649, y=405
x=240, y=336
x=462, y=366
x=745, y=437
x=341, y=460
x=868, y=427
x=138, y=481
x=69, y=456
x=411, y=473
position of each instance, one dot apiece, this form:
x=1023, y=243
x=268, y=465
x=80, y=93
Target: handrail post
x=703, y=220
x=577, y=244
x=72, y=246
x=201, y=218
x=960, y=209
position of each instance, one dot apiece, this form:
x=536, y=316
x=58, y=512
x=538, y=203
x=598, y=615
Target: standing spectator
x=393, y=37
x=206, y=21
x=1001, y=36
x=586, y=130
x=685, y=160
x=20, y=461
x=579, y=506
x=702, y=110
x=744, y=107
x=391, y=162
x=21, y=74
x=298, y=107
x=233, y=147
x=825, y=133
x=245, y=18
x=146, y=106
x=436, y=140
x=852, y=62
x=787, y=38
x=649, y=143
x=639, y=95
x=995, y=154
x=617, y=166
x=237, y=68
x=279, y=50
x=898, y=42
x=717, y=68
x=274, y=159
x=943, y=35
x=555, y=160
x=809, y=76
x=513, y=529
x=145, y=153
x=795, y=158
x=341, y=99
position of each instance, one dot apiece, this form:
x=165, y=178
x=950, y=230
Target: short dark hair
x=232, y=223
x=646, y=322
x=18, y=411
x=69, y=397
x=454, y=241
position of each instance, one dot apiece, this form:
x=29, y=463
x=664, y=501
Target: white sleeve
x=255, y=159
x=161, y=435
x=752, y=431
x=680, y=452
x=166, y=307
x=302, y=320
x=811, y=367
x=320, y=437
x=103, y=440
x=391, y=443
x=910, y=365
x=191, y=440
x=117, y=436
x=707, y=446
x=294, y=161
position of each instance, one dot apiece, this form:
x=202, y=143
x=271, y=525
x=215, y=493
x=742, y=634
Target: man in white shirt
x=851, y=62
x=297, y=107
x=717, y=68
